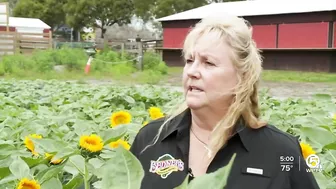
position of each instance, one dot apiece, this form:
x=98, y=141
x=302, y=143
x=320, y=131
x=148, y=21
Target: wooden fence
x=24, y=43
x=130, y=47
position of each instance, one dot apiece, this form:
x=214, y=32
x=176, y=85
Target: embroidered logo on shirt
x=165, y=165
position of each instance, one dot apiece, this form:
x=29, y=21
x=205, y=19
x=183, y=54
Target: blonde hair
x=237, y=34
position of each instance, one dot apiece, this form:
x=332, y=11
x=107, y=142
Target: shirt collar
x=182, y=122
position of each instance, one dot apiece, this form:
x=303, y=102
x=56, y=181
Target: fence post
x=15, y=41
x=140, y=53
x=123, y=50
x=50, y=40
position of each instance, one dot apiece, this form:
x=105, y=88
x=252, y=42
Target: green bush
x=12, y=64
x=114, y=63
x=43, y=61
x=105, y=63
x=73, y=59
x=152, y=61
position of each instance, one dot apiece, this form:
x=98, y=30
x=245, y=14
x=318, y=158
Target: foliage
x=49, y=11
x=43, y=61
x=55, y=63
x=148, y=9
x=63, y=112
x=86, y=13
x=153, y=61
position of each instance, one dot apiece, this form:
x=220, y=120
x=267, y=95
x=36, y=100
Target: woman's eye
x=189, y=61
x=209, y=63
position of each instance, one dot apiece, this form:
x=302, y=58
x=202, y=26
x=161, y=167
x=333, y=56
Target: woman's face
x=209, y=75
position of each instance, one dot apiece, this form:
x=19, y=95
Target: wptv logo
x=314, y=163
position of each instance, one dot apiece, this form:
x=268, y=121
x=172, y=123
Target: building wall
x=296, y=32
x=265, y=35
x=273, y=31
x=334, y=37
x=303, y=35
x=313, y=60
x=174, y=37
x=298, y=60
x=4, y=28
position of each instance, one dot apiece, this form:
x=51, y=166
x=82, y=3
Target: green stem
x=86, y=176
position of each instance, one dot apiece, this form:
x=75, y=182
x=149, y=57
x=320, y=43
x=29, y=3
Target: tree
x=49, y=11
x=221, y=1
x=149, y=9
x=98, y=13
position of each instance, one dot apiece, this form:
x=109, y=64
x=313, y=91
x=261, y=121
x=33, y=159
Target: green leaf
x=129, y=99
x=65, y=153
x=319, y=135
x=7, y=149
x=78, y=162
x=127, y=167
x=48, y=145
x=4, y=172
x=83, y=127
x=47, y=174
x=113, y=134
x=31, y=162
x=8, y=179
x=53, y=183
x=74, y=183
x=326, y=97
x=20, y=169
x=331, y=146
x=217, y=179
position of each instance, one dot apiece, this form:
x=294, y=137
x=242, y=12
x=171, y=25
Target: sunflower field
x=56, y=135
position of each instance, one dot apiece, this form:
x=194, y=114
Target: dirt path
x=276, y=89
x=304, y=90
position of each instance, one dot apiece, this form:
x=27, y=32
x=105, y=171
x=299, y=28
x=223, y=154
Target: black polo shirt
x=259, y=155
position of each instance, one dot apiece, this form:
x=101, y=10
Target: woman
x=220, y=117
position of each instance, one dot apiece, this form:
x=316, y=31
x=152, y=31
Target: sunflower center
x=120, y=119
x=28, y=186
x=91, y=141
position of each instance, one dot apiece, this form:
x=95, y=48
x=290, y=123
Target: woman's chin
x=194, y=103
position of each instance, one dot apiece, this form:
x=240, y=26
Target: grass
x=296, y=76
x=174, y=75
x=145, y=77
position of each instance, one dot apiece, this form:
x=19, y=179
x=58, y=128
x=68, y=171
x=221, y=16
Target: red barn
x=293, y=35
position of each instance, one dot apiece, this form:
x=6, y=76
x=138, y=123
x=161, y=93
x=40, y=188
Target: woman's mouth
x=194, y=89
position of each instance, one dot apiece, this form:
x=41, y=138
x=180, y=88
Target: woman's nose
x=193, y=70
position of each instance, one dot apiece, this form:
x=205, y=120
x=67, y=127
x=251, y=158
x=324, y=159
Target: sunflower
x=28, y=184
x=155, y=113
x=307, y=150
x=92, y=143
x=120, y=117
x=29, y=143
x=50, y=157
x=120, y=142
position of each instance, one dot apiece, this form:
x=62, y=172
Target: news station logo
x=314, y=163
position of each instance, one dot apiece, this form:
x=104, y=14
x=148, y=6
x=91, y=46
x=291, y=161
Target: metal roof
x=255, y=8
x=25, y=22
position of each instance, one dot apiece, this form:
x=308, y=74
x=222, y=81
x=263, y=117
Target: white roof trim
x=25, y=22
x=255, y=8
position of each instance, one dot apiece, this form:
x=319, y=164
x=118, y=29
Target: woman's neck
x=206, y=119
x=203, y=122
